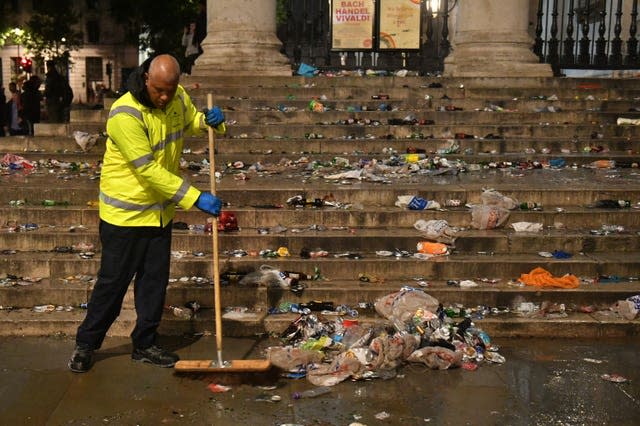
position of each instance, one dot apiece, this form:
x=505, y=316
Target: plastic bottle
x=528, y=206
x=318, y=305
x=184, y=313
x=312, y=393
x=298, y=275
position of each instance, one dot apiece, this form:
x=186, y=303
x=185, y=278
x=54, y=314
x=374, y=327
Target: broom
x=219, y=366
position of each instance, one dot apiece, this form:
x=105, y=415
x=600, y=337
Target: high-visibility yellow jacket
x=140, y=183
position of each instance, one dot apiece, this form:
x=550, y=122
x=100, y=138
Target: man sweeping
x=140, y=187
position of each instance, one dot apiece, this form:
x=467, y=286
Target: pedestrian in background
x=191, y=46
x=3, y=111
x=56, y=93
x=140, y=186
x=31, y=98
x=201, y=24
x=14, y=113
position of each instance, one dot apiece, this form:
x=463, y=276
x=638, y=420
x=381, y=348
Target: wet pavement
x=543, y=382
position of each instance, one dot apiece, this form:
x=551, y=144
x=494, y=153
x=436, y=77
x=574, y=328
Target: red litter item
x=469, y=366
x=227, y=221
x=349, y=323
x=216, y=388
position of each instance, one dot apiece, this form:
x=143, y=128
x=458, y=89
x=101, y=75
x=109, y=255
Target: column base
x=496, y=69
x=224, y=55
x=491, y=59
x=482, y=53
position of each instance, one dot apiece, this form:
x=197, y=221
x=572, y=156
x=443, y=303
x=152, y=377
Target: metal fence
x=306, y=36
x=587, y=34
x=581, y=34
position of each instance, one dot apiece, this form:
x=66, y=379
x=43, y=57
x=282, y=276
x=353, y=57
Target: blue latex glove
x=214, y=116
x=209, y=203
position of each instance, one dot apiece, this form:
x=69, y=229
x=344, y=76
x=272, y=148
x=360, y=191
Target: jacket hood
x=135, y=84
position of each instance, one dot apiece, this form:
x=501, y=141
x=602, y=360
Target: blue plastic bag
x=307, y=70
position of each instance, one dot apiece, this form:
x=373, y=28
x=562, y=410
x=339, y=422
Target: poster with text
x=352, y=24
x=399, y=24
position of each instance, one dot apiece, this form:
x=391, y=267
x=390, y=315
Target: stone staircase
x=499, y=133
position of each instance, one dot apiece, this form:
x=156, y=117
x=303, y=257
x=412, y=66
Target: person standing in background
x=14, y=112
x=31, y=98
x=54, y=88
x=201, y=24
x=191, y=46
x=3, y=111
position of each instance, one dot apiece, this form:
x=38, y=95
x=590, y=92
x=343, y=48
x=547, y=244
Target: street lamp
x=434, y=7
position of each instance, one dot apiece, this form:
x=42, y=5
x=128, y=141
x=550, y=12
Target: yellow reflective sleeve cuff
x=189, y=198
x=221, y=129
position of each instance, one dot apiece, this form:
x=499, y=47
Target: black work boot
x=156, y=356
x=81, y=360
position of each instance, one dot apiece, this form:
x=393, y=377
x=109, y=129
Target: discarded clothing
x=540, y=277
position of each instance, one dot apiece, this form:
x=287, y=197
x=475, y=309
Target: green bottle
x=528, y=205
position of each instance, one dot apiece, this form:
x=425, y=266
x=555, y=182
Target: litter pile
x=418, y=330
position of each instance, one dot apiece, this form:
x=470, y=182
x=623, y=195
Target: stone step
x=348, y=239
x=490, y=158
x=472, y=150
x=23, y=322
x=587, y=85
x=359, y=295
x=612, y=93
x=536, y=125
x=470, y=110
x=550, y=188
x=574, y=218
x=432, y=118
x=349, y=265
x=247, y=118
x=406, y=91
x=362, y=196
x=575, y=325
x=18, y=320
x=75, y=291
x=507, y=131
x=481, y=152
x=547, y=127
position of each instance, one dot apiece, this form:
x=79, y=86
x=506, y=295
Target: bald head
x=165, y=67
x=162, y=80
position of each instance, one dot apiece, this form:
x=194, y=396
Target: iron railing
x=580, y=34
x=587, y=34
x=306, y=37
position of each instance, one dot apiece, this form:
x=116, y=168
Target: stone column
x=492, y=40
x=241, y=40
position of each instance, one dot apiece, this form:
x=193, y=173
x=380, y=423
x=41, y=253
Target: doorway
x=94, y=80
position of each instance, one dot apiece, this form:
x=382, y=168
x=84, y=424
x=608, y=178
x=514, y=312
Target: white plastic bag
x=401, y=306
x=84, y=140
x=436, y=357
x=488, y=217
x=491, y=197
x=527, y=226
x=436, y=230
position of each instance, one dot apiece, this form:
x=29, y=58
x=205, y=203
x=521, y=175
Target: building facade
x=99, y=64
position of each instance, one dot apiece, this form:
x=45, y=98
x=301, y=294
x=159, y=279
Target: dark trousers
x=55, y=113
x=143, y=252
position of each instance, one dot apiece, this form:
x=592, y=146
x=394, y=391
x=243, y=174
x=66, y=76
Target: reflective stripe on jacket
x=140, y=183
